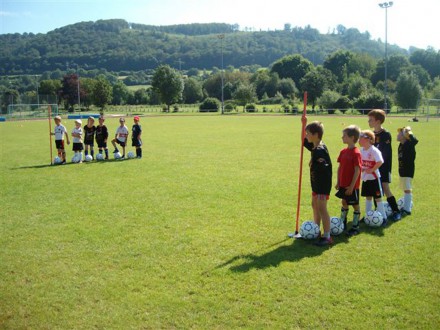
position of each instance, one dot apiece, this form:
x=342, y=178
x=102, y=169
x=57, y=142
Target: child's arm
x=357, y=172
x=67, y=137
x=374, y=168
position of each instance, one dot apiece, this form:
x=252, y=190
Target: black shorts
x=77, y=146
x=101, y=144
x=122, y=144
x=88, y=143
x=385, y=175
x=372, y=188
x=59, y=144
x=352, y=199
x=136, y=143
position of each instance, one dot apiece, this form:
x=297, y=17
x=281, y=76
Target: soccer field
x=194, y=234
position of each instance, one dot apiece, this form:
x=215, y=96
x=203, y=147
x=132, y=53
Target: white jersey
x=122, y=133
x=370, y=157
x=77, y=131
x=59, y=131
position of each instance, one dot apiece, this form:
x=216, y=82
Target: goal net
x=30, y=110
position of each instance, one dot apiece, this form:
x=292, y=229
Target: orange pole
x=49, y=111
x=298, y=206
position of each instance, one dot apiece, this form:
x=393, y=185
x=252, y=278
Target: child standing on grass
x=89, y=136
x=348, y=180
x=77, y=134
x=376, y=118
x=136, y=140
x=60, y=132
x=121, y=137
x=407, y=157
x=102, y=136
x=371, y=186
x=320, y=177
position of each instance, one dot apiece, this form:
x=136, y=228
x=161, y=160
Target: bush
x=250, y=107
x=343, y=103
x=229, y=106
x=210, y=104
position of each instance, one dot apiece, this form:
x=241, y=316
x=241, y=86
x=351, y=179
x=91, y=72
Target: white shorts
x=406, y=183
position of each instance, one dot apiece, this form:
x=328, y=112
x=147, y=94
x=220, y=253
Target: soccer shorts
x=385, y=175
x=77, y=146
x=372, y=188
x=122, y=144
x=59, y=144
x=101, y=144
x=352, y=199
x=320, y=196
x=136, y=143
x=405, y=183
x=89, y=143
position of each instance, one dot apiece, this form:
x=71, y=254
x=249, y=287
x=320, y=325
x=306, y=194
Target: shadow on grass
x=68, y=164
x=296, y=251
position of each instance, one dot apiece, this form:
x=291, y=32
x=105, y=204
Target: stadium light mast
x=386, y=5
x=79, y=95
x=38, y=96
x=221, y=37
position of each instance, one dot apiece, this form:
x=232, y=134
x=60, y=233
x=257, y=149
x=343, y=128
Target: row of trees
x=344, y=80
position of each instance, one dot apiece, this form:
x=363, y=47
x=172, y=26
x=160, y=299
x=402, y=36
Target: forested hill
x=116, y=45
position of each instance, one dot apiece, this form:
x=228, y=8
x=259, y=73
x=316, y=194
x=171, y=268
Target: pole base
x=294, y=235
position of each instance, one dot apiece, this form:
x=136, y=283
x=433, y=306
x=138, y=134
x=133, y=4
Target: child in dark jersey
x=320, y=177
x=136, y=140
x=101, y=136
x=376, y=118
x=89, y=136
x=406, y=156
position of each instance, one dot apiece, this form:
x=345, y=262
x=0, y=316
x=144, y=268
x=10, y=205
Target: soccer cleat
x=324, y=241
x=345, y=224
x=116, y=150
x=397, y=216
x=404, y=213
x=353, y=231
x=385, y=222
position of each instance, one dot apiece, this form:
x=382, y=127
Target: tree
x=287, y=88
x=314, y=84
x=338, y=63
x=408, y=91
x=168, y=83
x=395, y=64
x=50, y=87
x=357, y=86
x=102, y=92
x=292, y=66
x=120, y=93
x=69, y=91
x=245, y=93
x=192, y=91
x=328, y=100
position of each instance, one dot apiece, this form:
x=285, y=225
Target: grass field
x=194, y=235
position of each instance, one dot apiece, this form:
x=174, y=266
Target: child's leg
x=356, y=214
x=92, y=153
x=344, y=212
x=407, y=201
x=86, y=149
x=390, y=197
x=368, y=204
x=114, y=145
x=123, y=151
x=323, y=214
x=106, y=153
x=380, y=207
x=316, y=217
x=139, y=152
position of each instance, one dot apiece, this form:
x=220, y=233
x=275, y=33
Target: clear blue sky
x=410, y=22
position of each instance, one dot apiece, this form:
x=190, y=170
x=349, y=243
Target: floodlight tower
x=79, y=94
x=221, y=37
x=386, y=5
x=38, y=96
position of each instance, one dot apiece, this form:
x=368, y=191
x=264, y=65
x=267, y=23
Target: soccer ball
x=309, y=230
x=336, y=226
x=88, y=158
x=57, y=160
x=130, y=154
x=76, y=158
x=388, y=209
x=400, y=203
x=373, y=219
x=99, y=157
x=117, y=155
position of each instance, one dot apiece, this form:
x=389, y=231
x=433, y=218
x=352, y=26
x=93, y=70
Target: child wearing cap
x=136, y=140
x=370, y=176
x=89, y=136
x=121, y=137
x=60, y=132
x=101, y=136
x=77, y=134
x=406, y=156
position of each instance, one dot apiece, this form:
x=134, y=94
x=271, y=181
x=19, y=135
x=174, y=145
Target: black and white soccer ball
x=388, y=209
x=76, y=158
x=117, y=155
x=57, y=160
x=88, y=158
x=130, y=155
x=309, y=230
x=336, y=226
x=99, y=157
x=373, y=219
x=400, y=203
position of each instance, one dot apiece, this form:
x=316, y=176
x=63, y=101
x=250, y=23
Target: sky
x=410, y=22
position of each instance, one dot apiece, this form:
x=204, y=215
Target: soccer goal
x=30, y=110
x=432, y=107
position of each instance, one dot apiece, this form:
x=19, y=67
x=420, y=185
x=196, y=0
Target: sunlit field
x=194, y=234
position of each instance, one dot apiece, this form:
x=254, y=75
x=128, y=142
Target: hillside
x=116, y=45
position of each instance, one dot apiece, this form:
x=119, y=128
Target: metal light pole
x=79, y=95
x=221, y=37
x=386, y=5
x=38, y=96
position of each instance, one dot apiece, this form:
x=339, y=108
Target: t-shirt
x=320, y=168
x=101, y=133
x=122, y=133
x=136, y=131
x=382, y=141
x=348, y=159
x=77, y=131
x=89, y=134
x=59, y=131
x=407, y=156
x=370, y=157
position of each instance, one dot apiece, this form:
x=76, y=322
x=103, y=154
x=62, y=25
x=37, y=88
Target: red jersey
x=348, y=159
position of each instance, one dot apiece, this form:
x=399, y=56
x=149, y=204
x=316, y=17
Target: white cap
x=78, y=121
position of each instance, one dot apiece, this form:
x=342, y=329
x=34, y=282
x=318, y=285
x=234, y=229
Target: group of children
x=83, y=138
x=371, y=164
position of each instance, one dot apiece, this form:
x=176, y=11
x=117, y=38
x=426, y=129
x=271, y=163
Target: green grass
x=194, y=234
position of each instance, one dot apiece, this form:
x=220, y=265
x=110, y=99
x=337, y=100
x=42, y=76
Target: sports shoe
x=116, y=150
x=353, y=231
x=397, y=216
x=405, y=213
x=385, y=222
x=324, y=241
